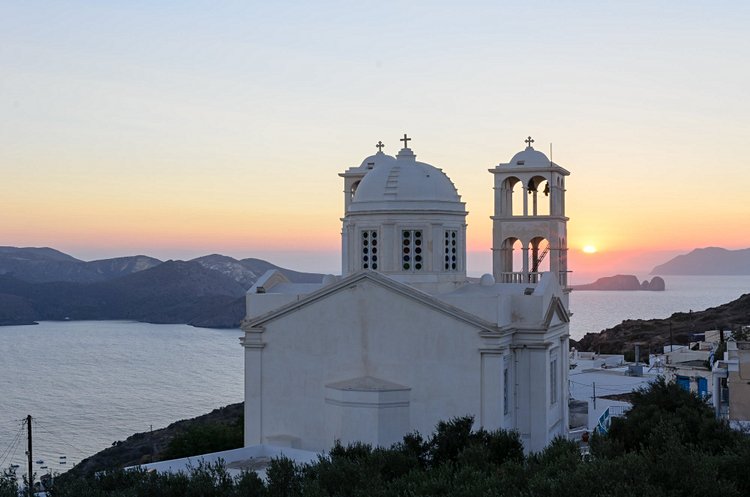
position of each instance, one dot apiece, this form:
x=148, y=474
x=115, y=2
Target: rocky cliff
x=655, y=333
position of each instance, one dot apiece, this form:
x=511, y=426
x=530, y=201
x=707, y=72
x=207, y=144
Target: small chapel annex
x=403, y=338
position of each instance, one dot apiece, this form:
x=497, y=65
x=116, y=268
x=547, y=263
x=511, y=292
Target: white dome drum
x=405, y=219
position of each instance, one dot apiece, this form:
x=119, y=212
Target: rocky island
x=624, y=282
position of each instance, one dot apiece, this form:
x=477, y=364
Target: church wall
x=537, y=418
x=532, y=403
x=257, y=306
x=528, y=309
x=492, y=390
x=384, y=412
x=496, y=309
x=366, y=330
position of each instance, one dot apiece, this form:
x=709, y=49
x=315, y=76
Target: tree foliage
x=664, y=410
x=669, y=444
x=204, y=439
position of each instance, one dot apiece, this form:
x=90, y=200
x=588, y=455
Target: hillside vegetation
x=655, y=333
x=668, y=444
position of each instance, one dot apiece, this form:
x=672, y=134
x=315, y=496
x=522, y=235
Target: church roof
x=530, y=158
x=408, y=182
x=384, y=281
x=376, y=160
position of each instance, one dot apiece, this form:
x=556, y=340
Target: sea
x=89, y=384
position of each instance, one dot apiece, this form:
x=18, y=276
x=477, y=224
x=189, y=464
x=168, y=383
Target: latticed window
x=451, y=250
x=411, y=250
x=370, y=249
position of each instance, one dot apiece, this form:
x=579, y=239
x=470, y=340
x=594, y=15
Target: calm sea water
x=90, y=383
x=595, y=311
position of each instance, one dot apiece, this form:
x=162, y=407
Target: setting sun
x=589, y=249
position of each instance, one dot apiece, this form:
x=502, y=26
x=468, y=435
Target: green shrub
x=204, y=439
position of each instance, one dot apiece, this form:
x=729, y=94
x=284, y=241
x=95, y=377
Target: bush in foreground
x=668, y=445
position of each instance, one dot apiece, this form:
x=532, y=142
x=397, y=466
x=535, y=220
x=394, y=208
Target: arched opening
x=511, y=202
x=512, y=261
x=538, y=189
x=353, y=190
x=539, y=252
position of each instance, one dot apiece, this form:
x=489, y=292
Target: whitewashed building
x=403, y=339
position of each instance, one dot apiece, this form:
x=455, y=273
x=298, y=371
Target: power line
x=45, y=428
x=13, y=445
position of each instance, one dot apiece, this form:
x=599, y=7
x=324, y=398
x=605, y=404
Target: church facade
x=403, y=338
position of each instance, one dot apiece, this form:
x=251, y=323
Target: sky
x=179, y=129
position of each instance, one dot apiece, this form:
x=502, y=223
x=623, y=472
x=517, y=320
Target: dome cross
x=529, y=141
x=380, y=146
x=406, y=141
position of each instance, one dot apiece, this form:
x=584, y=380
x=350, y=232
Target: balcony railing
x=530, y=277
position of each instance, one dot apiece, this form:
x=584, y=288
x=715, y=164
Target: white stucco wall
x=365, y=330
x=302, y=363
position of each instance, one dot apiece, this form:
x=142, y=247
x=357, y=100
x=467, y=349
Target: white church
x=403, y=338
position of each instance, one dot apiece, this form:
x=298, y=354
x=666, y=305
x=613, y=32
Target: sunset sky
x=178, y=129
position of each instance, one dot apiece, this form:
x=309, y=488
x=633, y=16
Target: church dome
x=405, y=181
x=376, y=160
x=530, y=158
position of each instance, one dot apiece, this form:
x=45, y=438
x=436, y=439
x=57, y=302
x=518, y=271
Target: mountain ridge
x=207, y=291
x=707, y=261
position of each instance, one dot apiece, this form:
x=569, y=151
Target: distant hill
x=44, y=253
x=247, y=271
x=15, y=310
x=45, y=264
x=44, y=284
x=708, y=261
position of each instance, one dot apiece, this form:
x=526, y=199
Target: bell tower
x=529, y=226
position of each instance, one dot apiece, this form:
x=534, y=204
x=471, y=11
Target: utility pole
x=594, y=384
x=151, y=441
x=31, y=458
x=671, y=340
